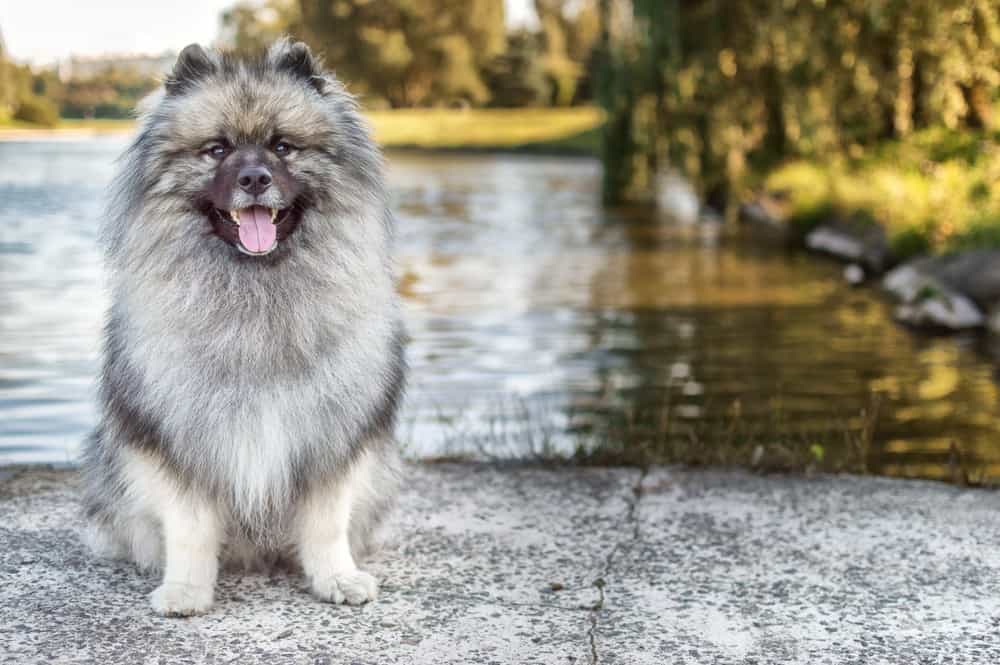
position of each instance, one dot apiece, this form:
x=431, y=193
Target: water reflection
x=536, y=319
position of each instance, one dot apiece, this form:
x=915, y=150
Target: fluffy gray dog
x=253, y=358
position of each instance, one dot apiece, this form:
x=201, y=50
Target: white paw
x=352, y=587
x=174, y=599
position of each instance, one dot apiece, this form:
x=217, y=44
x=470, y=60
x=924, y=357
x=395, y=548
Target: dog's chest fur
x=257, y=389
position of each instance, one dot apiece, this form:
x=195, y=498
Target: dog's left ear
x=193, y=64
x=297, y=58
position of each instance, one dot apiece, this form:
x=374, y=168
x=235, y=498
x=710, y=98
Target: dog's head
x=248, y=153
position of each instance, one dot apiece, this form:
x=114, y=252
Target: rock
x=993, y=325
x=906, y=281
x=676, y=197
x=754, y=212
x=766, y=216
x=950, y=311
x=711, y=216
x=766, y=209
x=854, y=274
x=860, y=242
x=975, y=274
x=959, y=283
x=928, y=302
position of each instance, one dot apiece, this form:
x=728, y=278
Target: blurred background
x=604, y=208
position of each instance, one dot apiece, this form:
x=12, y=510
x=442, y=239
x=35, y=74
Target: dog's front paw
x=353, y=587
x=174, y=599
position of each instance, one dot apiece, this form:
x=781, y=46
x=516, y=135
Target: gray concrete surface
x=520, y=565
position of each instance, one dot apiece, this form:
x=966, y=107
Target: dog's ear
x=192, y=64
x=298, y=59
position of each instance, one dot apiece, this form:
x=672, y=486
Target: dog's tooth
x=235, y=214
x=274, y=214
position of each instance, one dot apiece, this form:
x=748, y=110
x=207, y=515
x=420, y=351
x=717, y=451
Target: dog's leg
x=192, y=535
x=322, y=526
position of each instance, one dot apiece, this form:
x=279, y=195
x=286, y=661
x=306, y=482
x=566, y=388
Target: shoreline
x=13, y=135
x=939, y=290
x=567, y=131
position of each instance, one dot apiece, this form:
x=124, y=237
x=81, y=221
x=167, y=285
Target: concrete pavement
x=504, y=565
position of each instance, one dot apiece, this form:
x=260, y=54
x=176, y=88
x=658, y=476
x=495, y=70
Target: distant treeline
x=40, y=97
x=723, y=87
x=395, y=53
x=410, y=53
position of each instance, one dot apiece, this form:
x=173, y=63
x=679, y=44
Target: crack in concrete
x=622, y=545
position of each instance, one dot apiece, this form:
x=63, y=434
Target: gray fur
x=252, y=379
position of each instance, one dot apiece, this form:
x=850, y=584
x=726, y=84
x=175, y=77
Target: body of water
x=537, y=319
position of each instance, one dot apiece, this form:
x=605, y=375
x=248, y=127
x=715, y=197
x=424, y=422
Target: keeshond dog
x=253, y=360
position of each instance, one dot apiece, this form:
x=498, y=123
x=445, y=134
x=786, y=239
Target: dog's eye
x=282, y=147
x=217, y=149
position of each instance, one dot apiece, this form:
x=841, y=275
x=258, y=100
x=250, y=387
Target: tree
x=712, y=86
x=569, y=33
x=6, y=83
x=408, y=52
x=517, y=78
x=250, y=27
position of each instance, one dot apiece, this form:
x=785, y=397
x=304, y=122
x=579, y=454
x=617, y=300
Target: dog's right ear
x=192, y=64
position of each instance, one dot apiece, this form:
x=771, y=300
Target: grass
x=571, y=130
x=90, y=124
x=97, y=124
x=608, y=433
x=544, y=131
x=937, y=191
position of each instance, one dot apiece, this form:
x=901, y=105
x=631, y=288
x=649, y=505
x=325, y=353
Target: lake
x=541, y=325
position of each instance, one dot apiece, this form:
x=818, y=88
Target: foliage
x=567, y=41
x=931, y=190
x=407, y=53
x=249, y=27
x=718, y=88
x=516, y=78
x=40, y=97
x=37, y=111
x=113, y=93
x=7, y=93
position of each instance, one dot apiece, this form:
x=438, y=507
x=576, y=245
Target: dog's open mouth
x=257, y=227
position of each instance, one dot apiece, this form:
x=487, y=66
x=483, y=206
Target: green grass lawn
x=97, y=125
x=571, y=130
x=937, y=191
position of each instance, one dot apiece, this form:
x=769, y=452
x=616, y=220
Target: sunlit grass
x=938, y=190
x=97, y=125
x=571, y=130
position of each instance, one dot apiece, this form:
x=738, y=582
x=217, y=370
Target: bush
x=37, y=111
x=983, y=232
x=911, y=242
x=806, y=218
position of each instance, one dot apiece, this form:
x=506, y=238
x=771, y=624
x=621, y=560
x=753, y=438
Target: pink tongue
x=257, y=233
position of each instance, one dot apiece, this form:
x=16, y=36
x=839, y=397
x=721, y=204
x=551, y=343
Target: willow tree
x=721, y=88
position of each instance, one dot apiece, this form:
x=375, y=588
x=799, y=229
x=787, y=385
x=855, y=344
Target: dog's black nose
x=254, y=179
